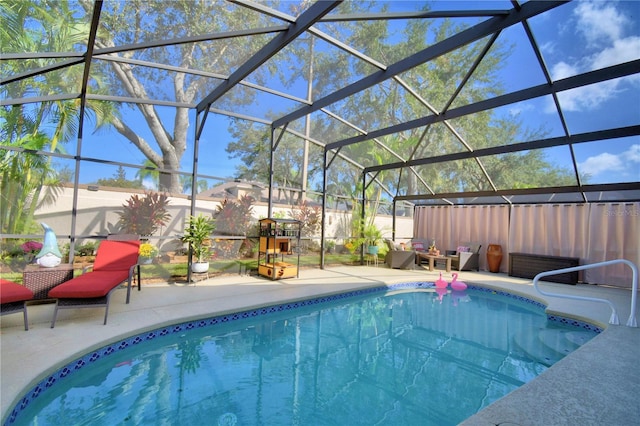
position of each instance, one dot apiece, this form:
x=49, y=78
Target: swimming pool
x=398, y=354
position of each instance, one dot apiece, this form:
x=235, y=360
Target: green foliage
x=86, y=249
x=23, y=178
x=145, y=20
x=144, y=215
x=235, y=217
x=119, y=180
x=310, y=218
x=372, y=234
x=197, y=234
x=28, y=179
x=389, y=104
x=252, y=146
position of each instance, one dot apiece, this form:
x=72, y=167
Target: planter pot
x=199, y=267
x=373, y=249
x=145, y=260
x=494, y=257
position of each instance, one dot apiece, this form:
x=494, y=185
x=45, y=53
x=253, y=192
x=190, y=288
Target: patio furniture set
x=116, y=262
x=465, y=258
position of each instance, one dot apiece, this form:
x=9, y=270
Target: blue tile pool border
x=120, y=345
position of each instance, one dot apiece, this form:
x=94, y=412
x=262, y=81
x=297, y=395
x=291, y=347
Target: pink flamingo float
x=440, y=283
x=456, y=285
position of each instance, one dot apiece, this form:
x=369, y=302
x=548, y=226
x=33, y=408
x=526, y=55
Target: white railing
x=631, y=322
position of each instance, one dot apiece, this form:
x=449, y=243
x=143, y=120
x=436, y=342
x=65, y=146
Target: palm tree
x=29, y=179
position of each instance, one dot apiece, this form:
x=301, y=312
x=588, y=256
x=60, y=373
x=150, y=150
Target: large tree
x=390, y=103
x=138, y=21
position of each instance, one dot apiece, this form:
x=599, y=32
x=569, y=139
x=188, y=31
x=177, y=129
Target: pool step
x=551, y=345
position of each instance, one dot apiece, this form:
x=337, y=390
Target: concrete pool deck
x=598, y=384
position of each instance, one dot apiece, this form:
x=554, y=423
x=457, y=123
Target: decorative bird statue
x=457, y=285
x=440, y=283
x=49, y=255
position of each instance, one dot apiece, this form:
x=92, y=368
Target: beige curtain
x=614, y=233
x=591, y=232
x=433, y=223
x=452, y=226
x=551, y=229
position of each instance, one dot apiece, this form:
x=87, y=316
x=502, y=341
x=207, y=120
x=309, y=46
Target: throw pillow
x=390, y=245
x=417, y=246
x=463, y=249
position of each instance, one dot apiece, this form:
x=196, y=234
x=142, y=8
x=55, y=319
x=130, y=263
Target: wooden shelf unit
x=277, y=238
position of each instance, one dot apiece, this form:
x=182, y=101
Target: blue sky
x=575, y=38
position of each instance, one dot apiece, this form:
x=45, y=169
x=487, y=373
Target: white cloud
x=623, y=50
x=562, y=70
x=633, y=154
x=599, y=24
x=519, y=108
x=588, y=97
x=548, y=48
x=626, y=162
x=602, y=163
x=602, y=26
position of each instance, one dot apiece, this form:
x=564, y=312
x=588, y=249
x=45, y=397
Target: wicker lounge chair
x=13, y=298
x=115, y=263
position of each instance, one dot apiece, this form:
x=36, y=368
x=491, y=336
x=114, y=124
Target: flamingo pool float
x=456, y=285
x=440, y=283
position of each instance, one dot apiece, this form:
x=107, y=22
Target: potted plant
x=198, y=235
x=372, y=237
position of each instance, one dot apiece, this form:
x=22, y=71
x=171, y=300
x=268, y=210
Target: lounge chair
x=115, y=263
x=13, y=298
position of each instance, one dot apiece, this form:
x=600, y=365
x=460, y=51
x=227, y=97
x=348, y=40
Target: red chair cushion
x=116, y=255
x=13, y=292
x=89, y=285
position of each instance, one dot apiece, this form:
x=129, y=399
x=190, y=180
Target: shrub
x=144, y=215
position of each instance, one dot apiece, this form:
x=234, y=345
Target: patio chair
x=115, y=263
x=399, y=259
x=13, y=298
x=465, y=258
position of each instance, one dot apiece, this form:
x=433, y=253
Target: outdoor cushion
x=13, y=292
x=89, y=285
x=116, y=255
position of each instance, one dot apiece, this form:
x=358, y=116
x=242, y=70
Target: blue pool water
x=399, y=355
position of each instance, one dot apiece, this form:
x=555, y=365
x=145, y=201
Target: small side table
x=40, y=279
x=433, y=258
